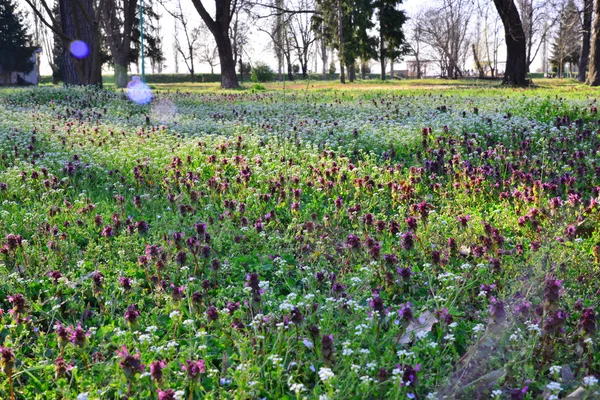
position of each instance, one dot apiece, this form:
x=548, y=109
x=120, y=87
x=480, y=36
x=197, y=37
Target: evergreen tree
x=152, y=42
x=58, y=51
x=392, y=43
x=566, y=46
x=351, y=37
x=15, y=41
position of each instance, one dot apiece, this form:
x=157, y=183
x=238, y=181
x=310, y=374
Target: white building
x=20, y=78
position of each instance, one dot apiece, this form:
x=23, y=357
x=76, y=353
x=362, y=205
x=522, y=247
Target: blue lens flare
x=79, y=49
x=139, y=92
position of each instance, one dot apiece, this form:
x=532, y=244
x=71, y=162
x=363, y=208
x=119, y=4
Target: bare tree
x=489, y=37
x=537, y=16
x=207, y=50
x=446, y=31
x=240, y=37
x=191, y=36
x=416, y=41
x=176, y=46
x=301, y=33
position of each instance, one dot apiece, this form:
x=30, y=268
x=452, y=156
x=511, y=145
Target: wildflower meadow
x=326, y=242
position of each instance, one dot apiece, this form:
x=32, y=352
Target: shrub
x=262, y=73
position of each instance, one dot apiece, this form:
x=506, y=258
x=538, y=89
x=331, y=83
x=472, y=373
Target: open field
x=414, y=239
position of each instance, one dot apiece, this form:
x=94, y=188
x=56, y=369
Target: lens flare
x=79, y=49
x=139, y=92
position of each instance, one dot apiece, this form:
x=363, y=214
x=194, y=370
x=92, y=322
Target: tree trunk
x=87, y=70
x=516, y=57
x=228, y=76
x=593, y=78
x=341, y=41
x=381, y=50
x=586, y=34
x=121, y=77
x=351, y=72
x=118, y=35
x=477, y=62
x=324, y=58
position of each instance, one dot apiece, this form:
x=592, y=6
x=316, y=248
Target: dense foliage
x=373, y=244
x=15, y=50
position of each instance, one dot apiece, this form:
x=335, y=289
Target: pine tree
x=392, y=43
x=15, y=41
x=58, y=51
x=351, y=37
x=152, y=41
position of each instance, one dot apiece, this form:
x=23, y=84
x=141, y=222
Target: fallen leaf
x=423, y=324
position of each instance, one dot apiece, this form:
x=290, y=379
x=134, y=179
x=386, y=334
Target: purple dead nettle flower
x=296, y=316
x=168, y=394
x=18, y=303
x=409, y=374
x=497, y=311
x=156, y=369
x=107, y=231
x=412, y=224
x=61, y=368
x=232, y=306
x=390, y=259
x=7, y=360
x=463, y=220
x=405, y=272
x=177, y=292
x=353, y=242
x=63, y=334
x=178, y=238
x=125, y=283
x=194, y=368
x=181, y=258
x=487, y=289
x=523, y=308
x=55, y=276
x=97, y=279
x=327, y=349
x=78, y=336
x=142, y=227
x=444, y=315
x=200, y=228
x=212, y=314
x=405, y=313
x=131, y=315
x=14, y=241
x=552, y=291
x=518, y=394
x=555, y=321
x=131, y=364
x=570, y=231
x=407, y=240
x=587, y=323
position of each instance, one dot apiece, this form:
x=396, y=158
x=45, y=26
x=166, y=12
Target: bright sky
x=260, y=48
